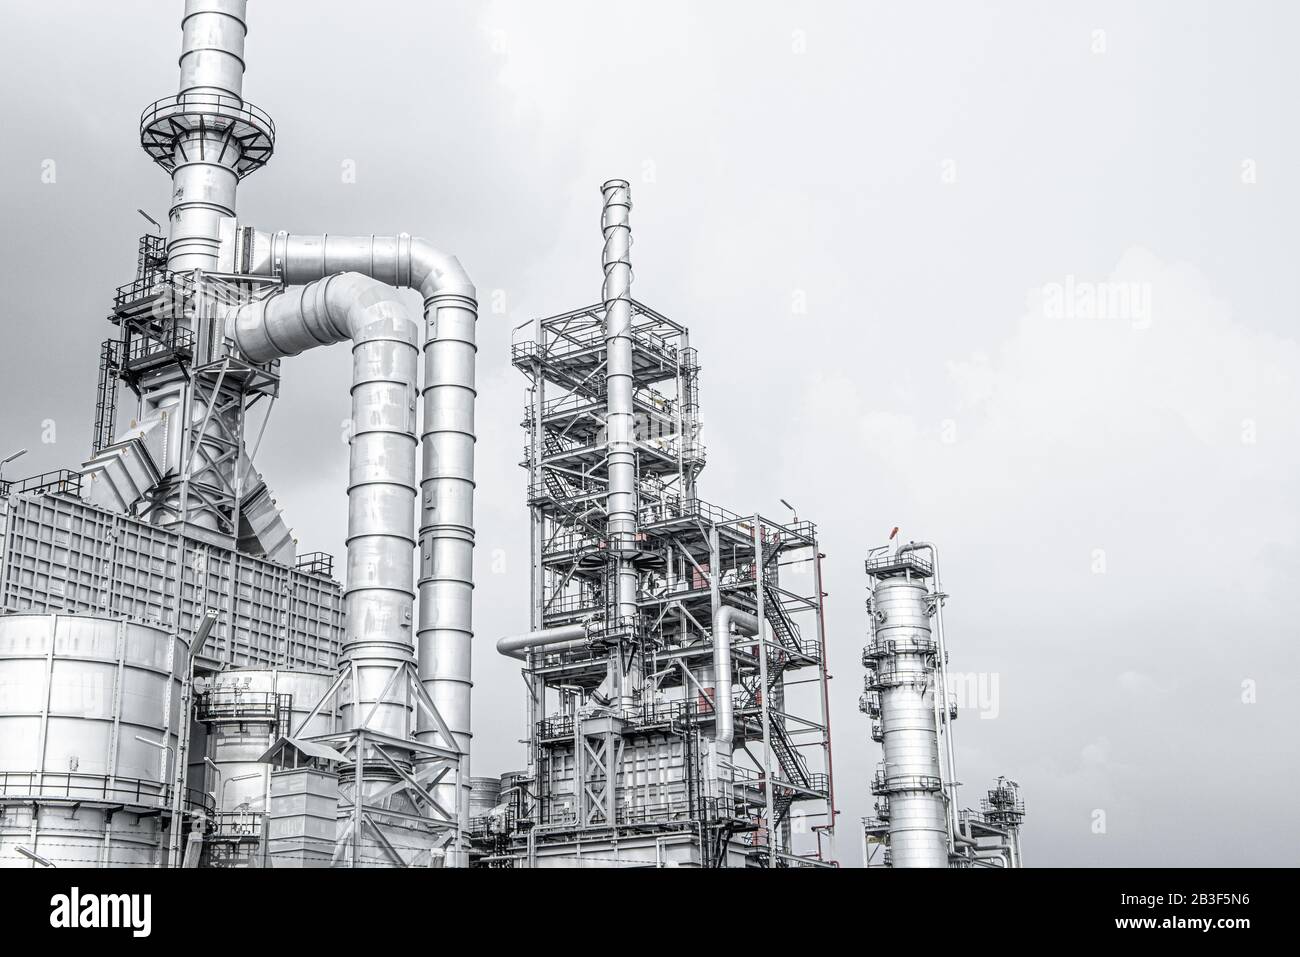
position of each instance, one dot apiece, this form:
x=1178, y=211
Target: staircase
x=793, y=767
x=787, y=637
x=561, y=491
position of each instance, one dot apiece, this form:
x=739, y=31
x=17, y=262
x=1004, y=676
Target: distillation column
x=902, y=662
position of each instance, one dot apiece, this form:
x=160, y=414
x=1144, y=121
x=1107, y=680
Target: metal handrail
x=316, y=563
x=152, y=283
x=60, y=480
x=235, y=825
x=239, y=705
x=164, y=121
x=222, y=104
x=74, y=786
x=888, y=562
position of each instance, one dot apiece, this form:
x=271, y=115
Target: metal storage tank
x=484, y=795
x=89, y=709
x=243, y=711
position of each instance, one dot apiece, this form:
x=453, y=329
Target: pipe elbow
x=436, y=273
x=372, y=309
x=334, y=309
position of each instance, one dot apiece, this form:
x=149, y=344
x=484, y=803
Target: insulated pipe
x=620, y=501
x=725, y=730
x=378, y=597
x=446, y=579
x=518, y=646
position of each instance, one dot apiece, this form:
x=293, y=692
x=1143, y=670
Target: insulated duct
x=378, y=597
x=446, y=537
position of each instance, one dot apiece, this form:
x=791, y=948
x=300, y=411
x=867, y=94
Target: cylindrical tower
x=89, y=712
x=903, y=675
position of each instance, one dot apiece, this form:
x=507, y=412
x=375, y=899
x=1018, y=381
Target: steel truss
x=387, y=781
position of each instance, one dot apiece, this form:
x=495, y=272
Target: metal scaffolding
x=627, y=765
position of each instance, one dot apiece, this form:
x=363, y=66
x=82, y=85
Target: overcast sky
x=898, y=233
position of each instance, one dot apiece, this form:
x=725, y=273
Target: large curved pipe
x=565, y=636
x=446, y=580
x=378, y=597
x=724, y=731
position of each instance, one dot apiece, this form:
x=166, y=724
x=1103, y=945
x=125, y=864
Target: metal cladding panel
x=78, y=840
x=101, y=685
x=62, y=555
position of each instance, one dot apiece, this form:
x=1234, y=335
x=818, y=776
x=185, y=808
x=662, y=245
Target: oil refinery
x=181, y=687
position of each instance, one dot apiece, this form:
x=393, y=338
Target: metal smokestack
x=206, y=135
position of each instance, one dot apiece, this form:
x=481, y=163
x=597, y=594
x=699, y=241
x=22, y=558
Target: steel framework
x=626, y=765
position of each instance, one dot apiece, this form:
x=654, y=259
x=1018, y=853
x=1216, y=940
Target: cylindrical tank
x=484, y=795
x=243, y=711
x=89, y=710
x=904, y=655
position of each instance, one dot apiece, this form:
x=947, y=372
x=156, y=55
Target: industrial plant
x=181, y=687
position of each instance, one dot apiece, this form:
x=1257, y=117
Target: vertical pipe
x=825, y=687
x=765, y=700
x=945, y=717
x=537, y=579
x=446, y=632
x=378, y=593
x=620, y=502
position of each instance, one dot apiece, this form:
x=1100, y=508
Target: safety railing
x=62, y=481
x=153, y=282
x=883, y=783
x=235, y=826
x=884, y=647
x=316, y=563
x=165, y=121
x=886, y=563
x=171, y=341
x=73, y=786
x=228, y=705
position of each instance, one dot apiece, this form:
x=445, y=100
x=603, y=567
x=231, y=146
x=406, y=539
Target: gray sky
x=883, y=223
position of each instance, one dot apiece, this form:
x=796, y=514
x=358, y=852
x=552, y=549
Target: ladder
x=110, y=367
